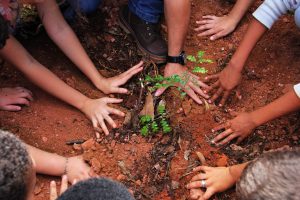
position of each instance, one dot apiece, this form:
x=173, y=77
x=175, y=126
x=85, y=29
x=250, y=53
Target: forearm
x=255, y=31
x=239, y=9
x=177, y=14
x=47, y=163
x=40, y=75
x=64, y=37
x=237, y=170
x=288, y=103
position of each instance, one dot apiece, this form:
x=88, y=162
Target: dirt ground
x=157, y=167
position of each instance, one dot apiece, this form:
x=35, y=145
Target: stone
x=88, y=144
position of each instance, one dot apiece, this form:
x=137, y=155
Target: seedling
x=151, y=126
x=199, y=60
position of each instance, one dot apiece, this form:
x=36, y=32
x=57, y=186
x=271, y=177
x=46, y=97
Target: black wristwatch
x=181, y=59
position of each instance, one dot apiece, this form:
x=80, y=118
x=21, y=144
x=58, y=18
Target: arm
x=243, y=125
x=55, y=165
x=219, y=27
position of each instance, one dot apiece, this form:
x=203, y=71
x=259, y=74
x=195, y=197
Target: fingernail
x=205, y=78
x=212, y=130
x=220, y=105
x=211, y=38
x=209, y=101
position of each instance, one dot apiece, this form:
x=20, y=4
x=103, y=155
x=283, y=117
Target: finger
x=74, y=181
x=212, y=17
x=202, y=22
x=205, y=27
x=64, y=184
x=216, y=95
x=110, y=121
x=26, y=95
x=53, y=192
x=228, y=139
x=159, y=92
x=220, y=127
x=96, y=128
x=211, y=77
x=224, y=98
x=223, y=135
x=208, y=32
x=21, y=101
x=103, y=125
x=139, y=65
x=198, y=184
x=200, y=176
x=12, y=108
x=240, y=139
x=202, y=168
x=218, y=35
x=198, y=90
x=119, y=90
x=115, y=112
x=21, y=89
x=196, y=193
x=112, y=100
x=193, y=95
x=209, y=192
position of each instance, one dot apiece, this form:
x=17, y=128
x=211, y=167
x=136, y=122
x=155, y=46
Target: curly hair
x=272, y=176
x=14, y=166
x=97, y=189
x=4, y=32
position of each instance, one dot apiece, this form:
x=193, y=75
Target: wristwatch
x=181, y=59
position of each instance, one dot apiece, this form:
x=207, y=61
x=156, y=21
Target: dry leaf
x=148, y=107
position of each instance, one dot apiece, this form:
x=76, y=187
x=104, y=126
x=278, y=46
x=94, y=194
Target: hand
x=63, y=187
x=98, y=112
x=216, y=27
x=217, y=179
x=112, y=85
x=240, y=127
x=227, y=80
x=78, y=170
x=191, y=87
x=12, y=98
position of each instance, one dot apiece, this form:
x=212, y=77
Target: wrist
x=236, y=66
x=256, y=120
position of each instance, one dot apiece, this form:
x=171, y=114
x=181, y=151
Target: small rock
x=45, y=139
x=285, y=20
x=180, y=110
x=187, y=154
x=157, y=166
x=88, y=144
x=110, y=155
x=138, y=182
x=223, y=161
x=186, y=106
x=175, y=185
x=77, y=147
x=235, y=147
x=121, y=177
x=38, y=188
x=113, y=143
x=96, y=165
x=230, y=46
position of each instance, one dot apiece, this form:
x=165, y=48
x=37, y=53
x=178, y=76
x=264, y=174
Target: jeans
x=297, y=17
x=148, y=10
x=83, y=6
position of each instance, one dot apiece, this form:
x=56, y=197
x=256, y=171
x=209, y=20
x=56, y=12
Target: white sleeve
x=269, y=12
x=297, y=89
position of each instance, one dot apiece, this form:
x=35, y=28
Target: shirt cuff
x=297, y=89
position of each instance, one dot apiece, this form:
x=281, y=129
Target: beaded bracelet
x=66, y=166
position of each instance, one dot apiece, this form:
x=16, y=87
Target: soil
x=157, y=167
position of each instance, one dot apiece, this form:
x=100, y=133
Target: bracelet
x=66, y=166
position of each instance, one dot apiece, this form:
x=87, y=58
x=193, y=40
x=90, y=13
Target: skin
x=230, y=77
x=218, y=179
x=59, y=31
x=54, y=165
x=179, y=12
x=11, y=99
x=244, y=124
x=63, y=187
x=217, y=27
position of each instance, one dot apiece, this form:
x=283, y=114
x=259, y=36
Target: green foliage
x=199, y=59
x=152, y=126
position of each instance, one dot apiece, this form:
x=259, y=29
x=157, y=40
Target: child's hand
x=240, y=127
x=215, y=179
x=98, y=112
x=78, y=170
x=216, y=27
x=112, y=85
x=226, y=81
x=12, y=98
x=63, y=187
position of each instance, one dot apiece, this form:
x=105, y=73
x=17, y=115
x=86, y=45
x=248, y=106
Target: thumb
x=160, y=91
x=209, y=192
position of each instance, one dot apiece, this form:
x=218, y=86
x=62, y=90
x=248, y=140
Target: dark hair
x=97, y=189
x=14, y=165
x=273, y=176
x=3, y=31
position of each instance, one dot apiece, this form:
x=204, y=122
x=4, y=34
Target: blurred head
x=17, y=175
x=273, y=176
x=3, y=31
x=97, y=189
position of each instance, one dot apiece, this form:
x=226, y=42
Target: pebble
x=88, y=144
x=138, y=182
x=77, y=147
x=45, y=139
x=175, y=185
x=121, y=177
x=113, y=143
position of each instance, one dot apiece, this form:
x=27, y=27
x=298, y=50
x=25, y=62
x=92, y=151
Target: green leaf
x=145, y=119
x=200, y=70
x=200, y=54
x=161, y=109
x=191, y=58
x=154, y=127
x=144, y=131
